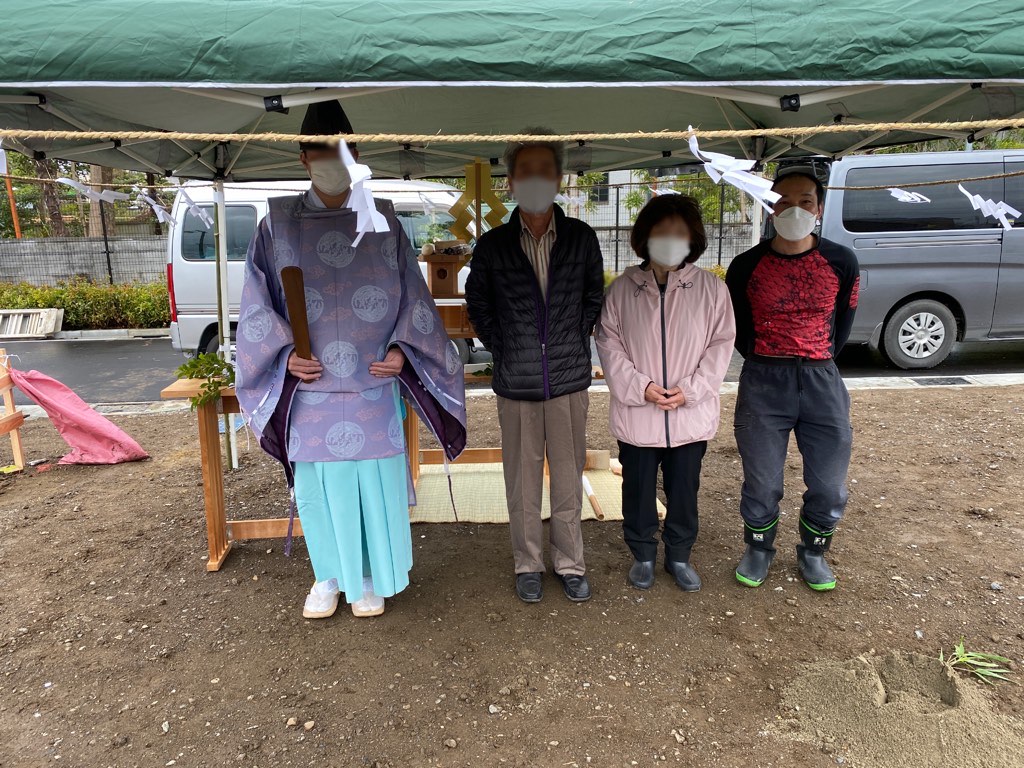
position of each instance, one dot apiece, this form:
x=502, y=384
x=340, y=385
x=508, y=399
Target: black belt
x=798, y=362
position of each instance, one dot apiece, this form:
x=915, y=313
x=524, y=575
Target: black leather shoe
x=641, y=575
x=529, y=587
x=577, y=588
x=684, y=574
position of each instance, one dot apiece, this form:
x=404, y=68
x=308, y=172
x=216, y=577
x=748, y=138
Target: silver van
x=936, y=271
x=422, y=207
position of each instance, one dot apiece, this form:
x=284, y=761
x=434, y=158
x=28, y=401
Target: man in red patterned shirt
x=794, y=297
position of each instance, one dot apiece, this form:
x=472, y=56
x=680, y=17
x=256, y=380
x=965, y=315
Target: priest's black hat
x=324, y=118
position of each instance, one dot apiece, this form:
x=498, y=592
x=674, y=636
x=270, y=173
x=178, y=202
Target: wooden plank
x=456, y=321
x=182, y=389
x=469, y=456
x=598, y=460
x=213, y=486
x=270, y=528
x=214, y=563
x=595, y=459
x=11, y=422
x=7, y=386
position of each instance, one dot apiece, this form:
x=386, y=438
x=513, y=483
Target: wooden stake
x=12, y=418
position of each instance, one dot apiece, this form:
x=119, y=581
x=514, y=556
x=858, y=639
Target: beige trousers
x=529, y=430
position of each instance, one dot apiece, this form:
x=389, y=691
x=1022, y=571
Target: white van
x=421, y=206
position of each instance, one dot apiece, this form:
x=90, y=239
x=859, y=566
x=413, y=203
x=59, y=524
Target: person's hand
x=673, y=399
x=655, y=394
x=303, y=369
x=390, y=366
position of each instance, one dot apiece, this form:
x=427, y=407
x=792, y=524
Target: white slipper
x=370, y=604
x=322, y=600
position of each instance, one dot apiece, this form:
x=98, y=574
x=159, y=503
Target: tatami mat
x=479, y=491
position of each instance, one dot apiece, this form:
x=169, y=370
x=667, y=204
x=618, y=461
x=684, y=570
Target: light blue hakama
x=355, y=520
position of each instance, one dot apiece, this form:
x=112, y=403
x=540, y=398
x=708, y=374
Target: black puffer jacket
x=541, y=349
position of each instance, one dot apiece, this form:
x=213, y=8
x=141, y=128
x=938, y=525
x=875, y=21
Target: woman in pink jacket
x=665, y=339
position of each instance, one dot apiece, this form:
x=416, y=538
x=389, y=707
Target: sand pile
x=899, y=711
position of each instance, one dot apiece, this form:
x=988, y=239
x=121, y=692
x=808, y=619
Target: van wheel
x=920, y=334
x=211, y=346
x=462, y=345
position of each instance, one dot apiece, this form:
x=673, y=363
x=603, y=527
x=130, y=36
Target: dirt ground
x=118, y=648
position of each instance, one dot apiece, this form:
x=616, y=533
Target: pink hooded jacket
x=684, y=340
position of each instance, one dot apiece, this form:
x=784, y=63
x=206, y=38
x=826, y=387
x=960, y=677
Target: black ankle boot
x=810, y=557
x=760, y=551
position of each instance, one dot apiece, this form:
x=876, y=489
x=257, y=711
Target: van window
x=197, y=238
x=879, y=211
x=1015, y=191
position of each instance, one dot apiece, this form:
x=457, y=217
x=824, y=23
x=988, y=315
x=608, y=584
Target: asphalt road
x=123, y=371
x=135, y=370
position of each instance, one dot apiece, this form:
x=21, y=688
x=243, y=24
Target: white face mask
x=535, y=194
x=795, y=223
x=668, y=252
x=330, y=175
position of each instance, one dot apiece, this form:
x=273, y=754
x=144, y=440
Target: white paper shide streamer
x=107, y=195
x=563, y=199
x=3, y=160
x=428, y=205
x=998, y=211
x=158, y=210
x=736, y=172
x=197, y=211
x=903, y=196
x=360, y=198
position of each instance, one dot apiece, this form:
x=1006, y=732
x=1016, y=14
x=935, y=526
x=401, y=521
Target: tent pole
x=756, y=221
x=220, y=239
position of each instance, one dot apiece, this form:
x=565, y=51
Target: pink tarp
x=93, y=438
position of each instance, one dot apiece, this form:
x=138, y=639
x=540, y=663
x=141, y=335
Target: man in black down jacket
x=534, y=294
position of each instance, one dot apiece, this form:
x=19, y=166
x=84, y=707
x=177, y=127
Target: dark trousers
x=777, y=397
x=680, y=469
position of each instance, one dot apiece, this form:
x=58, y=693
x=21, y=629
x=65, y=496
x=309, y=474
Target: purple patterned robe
x=359, y=302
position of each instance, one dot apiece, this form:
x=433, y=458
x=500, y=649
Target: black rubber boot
x=686, y=577
x=757, y=559
x=810, y=557
x=641, y=575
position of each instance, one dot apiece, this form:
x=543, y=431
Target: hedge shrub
x=90, y=305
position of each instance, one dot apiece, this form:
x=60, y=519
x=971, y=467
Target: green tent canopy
x=467, y=66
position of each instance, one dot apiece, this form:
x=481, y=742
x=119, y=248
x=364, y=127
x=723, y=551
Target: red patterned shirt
x=799, y=305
